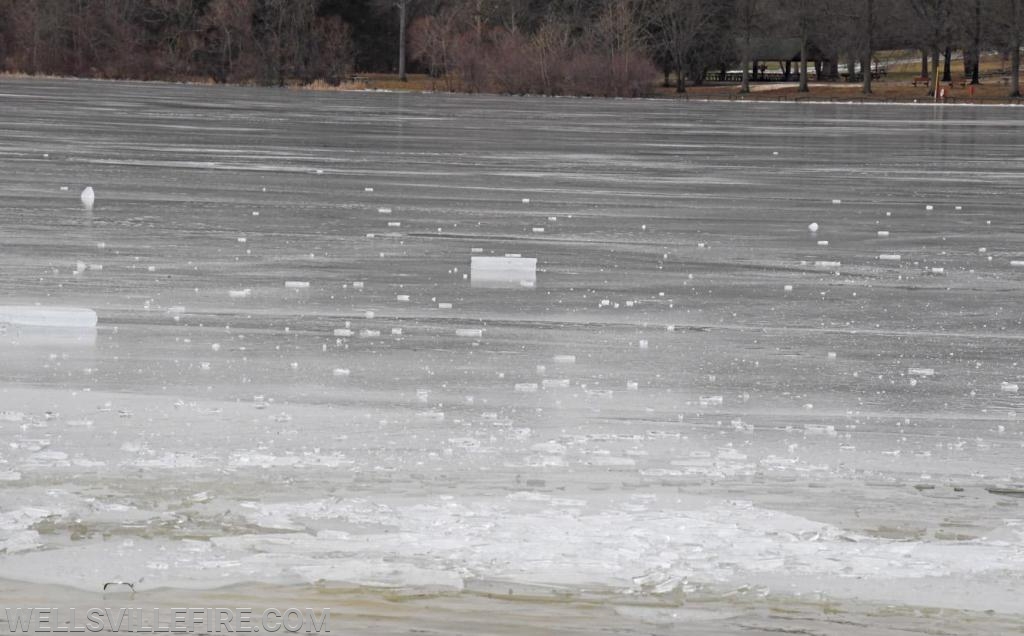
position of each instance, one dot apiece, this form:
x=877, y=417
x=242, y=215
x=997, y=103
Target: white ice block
x=889, y=257
x=88, y=197
x=31, y=316
x=497, y=270
x=555, y=383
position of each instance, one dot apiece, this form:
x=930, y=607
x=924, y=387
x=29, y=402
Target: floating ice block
x=47, y=316
x=497, y=270
x=88, y=197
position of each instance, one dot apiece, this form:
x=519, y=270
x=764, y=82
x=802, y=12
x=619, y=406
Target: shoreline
x=771, y=92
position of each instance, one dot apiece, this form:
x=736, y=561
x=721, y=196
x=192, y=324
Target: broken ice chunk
x=47, y=316
x=496, y=271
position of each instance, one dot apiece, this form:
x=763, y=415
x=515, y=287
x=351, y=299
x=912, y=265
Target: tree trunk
x=698, y=76
x=865, y=69
x=947, y=75
x=934, y=74
x=744, y=83
x=680, y=79
x=976, y=48
x=924, y=63
x=401, y=40
x=1015, y=69
x=803, y=65
x=851, y=69
x=865, y=65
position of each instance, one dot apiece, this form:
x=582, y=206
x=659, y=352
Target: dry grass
x=887, y=90
x=377, y=81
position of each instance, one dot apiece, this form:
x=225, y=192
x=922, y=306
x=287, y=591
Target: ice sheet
x=695, y=398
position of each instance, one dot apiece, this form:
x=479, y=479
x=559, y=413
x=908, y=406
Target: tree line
x=583, y=47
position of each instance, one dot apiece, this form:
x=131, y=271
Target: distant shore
x=993, y=91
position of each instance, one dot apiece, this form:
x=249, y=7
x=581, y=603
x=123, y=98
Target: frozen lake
x=295, y=381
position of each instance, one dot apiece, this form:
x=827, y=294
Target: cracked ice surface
x=289, y=384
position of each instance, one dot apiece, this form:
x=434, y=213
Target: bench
x=922, y=80
x=362, y=79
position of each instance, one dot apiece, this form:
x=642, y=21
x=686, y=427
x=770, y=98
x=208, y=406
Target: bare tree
x=551, y=46
x=229, y=37
x=934, y=23
x=869, y=20
x=432, y=41
x=802, y=22
x=676, y=29
x=749, y=14
x=1009, y=25
x=403, y=10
